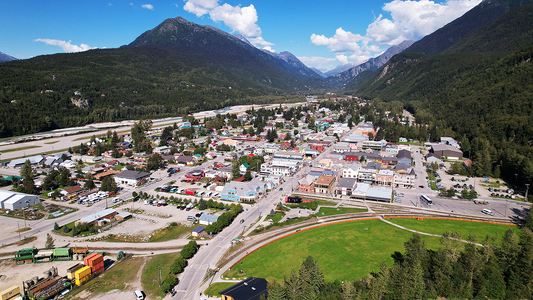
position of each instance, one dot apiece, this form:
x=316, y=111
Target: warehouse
x=13, y=200
x=442, y=150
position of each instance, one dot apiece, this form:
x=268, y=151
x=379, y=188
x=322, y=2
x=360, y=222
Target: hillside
x=341, y=79
x=451, y=33
x=176, y=68
x=484, y=96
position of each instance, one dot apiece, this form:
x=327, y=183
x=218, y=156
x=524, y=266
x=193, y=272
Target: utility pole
x=527, y=189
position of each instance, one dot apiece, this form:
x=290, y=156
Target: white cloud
x=415, y=19
x=321, y=63
x=109, y=4
x=237, y=18
x=410, y=20
x=176, y=5
x=148, y=6
x=241, y=19
x=67, y=46
x=200, y=7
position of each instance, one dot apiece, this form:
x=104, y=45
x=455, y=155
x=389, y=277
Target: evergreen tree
x=89, y=184
x=65, y=229
x=276, y=291
x=49, y=242
x=56, y=227
x=247, y=176
x=74, y=231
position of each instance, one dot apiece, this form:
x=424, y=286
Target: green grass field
x=330, y=211
x=275, y=218
x=436, y=226
x=170, y=233
x=18, y=149
x=150, y=274
x=347, y=251
x=217, y=287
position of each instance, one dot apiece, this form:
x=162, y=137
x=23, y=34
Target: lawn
x=437, y=226
x=216, y=287
x=115, y=278
x=330, y=211
x=312, y=205
x=275, y=218
x=169, y=233
x=18, y=149
x=345, y=251
x=150, y=274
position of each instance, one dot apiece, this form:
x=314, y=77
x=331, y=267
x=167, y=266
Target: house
x=306, y=184
x=342, y=147
x=131, y=178
x=249, y=289
x=224, y=172
x=285, y=146
x=431, y=158
x=185, y=159
x=112, y=163
x=324, y=184
x=207, y=219
x=162, y=150
x=345, y=186
x=351, y=171
x=243, y=168
x=196, y=232
x=13, y=200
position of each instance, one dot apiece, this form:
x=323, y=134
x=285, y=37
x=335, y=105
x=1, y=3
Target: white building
x=13, y=200
x=130, y=178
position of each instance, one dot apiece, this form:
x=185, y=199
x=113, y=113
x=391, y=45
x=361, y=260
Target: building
x=374, y=145
x=34, y=160
x=131, y=178
x=404, y=178
x=105, y=215
x=345, y=186
x=325, y=184
x=306, y=184
x=352, y=171
x=13, y=200
x=243, y=191
x=196, y=232
x=207, y=219
x=443, y=150
x=249, y=289
x=385, y=177
x=195, y=175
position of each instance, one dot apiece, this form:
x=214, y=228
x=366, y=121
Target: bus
x=426, y=200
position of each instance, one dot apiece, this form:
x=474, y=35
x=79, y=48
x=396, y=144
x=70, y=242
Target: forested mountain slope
x=485, y=97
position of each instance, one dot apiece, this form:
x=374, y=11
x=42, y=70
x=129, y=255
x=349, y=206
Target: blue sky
x=323, y=34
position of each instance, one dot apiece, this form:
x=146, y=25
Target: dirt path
x=130, y=287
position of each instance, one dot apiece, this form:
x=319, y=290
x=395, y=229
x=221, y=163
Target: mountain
x=451, y=33
x=341, y=69
x=478, y=90
x=4, y=57
x=341, y=79
x=322, y=75
x=176, y=68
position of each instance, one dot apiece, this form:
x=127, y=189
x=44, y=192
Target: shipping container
x=71, y=270
x=86, y=259
x=62, y=252
x=93, y=261
x=98, y=267
x=83, y=280
x=10, y=293
x=82, y=272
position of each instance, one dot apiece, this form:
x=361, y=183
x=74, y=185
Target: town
x=206, y=184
